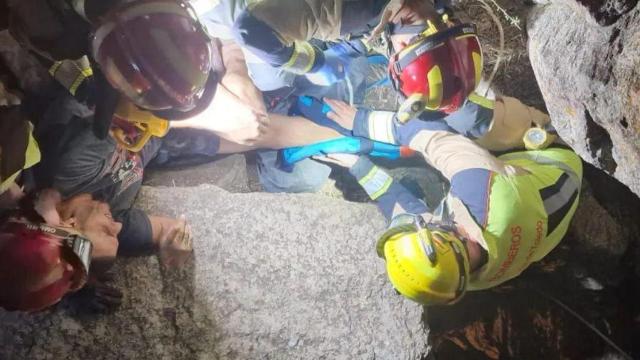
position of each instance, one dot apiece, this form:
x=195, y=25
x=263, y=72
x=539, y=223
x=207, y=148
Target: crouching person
x=501, y=214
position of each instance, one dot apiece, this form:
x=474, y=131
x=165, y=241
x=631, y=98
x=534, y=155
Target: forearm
x=289, y=131
x=452, y=153
x=230, y=147
x=236, y=80
x=225, y=113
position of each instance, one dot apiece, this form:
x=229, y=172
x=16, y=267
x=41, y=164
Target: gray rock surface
x=228, y=173
x=273, y=278
x=590, y=79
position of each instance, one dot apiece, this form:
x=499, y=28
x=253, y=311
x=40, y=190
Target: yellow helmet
x=429, y=267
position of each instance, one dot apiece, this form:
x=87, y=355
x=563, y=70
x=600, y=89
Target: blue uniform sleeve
x=135, y=238
x=399, y=195
x=387, y=193
x=472, y=119
x=262, y=40
x=404, y=133
x=472, y=187
x=360, y=16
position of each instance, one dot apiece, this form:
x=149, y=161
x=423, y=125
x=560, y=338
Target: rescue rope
x=496, y=66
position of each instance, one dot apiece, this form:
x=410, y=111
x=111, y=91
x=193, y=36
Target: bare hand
x=45, y=206
x=341, y=112
x=239, y=121
x=175, y=243
x=11, y=197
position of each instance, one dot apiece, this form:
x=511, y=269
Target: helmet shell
x=418, y=278
x=445, y=69
x=156, y=53
x=35, y=270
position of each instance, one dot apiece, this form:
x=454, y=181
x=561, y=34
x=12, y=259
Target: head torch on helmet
x=437, y=70
x=425, y=263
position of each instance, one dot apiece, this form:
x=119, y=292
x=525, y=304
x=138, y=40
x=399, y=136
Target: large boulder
x=274, y=277
x=589, y=75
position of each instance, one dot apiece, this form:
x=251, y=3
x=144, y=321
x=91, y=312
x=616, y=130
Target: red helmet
x=437, y=71
x=158, y=54
x=39, y=264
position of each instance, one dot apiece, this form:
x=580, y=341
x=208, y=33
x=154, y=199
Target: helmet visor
x=155, y=52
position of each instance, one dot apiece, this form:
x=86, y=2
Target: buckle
x=426, y=239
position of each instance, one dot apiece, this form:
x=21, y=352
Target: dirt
x=515, y=76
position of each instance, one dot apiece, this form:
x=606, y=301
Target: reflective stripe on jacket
x=528, y=214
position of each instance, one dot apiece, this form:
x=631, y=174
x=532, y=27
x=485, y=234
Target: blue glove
x=345, y=145
x=331, y=69
x=316, y=111
x=348, y=48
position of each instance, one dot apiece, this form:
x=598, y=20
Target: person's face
x=412, y=13
x=92, y=219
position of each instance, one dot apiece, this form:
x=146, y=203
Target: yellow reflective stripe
x=32, y=157
x=481, y=100
x=382, y=190
x=71, y=73
x=76, y=84
x=376, y=182
x=302, y=59
x=436, y=88
x=477, y=65
x=430, y=30
x=87, y=72
x=56, y=65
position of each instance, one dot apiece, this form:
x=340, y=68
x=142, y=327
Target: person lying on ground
x=42, y=262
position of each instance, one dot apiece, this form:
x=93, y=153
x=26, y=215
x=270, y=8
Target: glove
x=316, y=111
x=332, y=69
x=348, y=145
x=351, y=48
